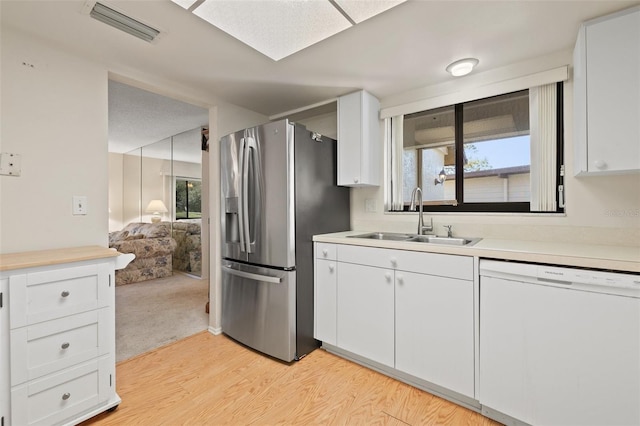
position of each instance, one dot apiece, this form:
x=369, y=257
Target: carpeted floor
x=153, y=313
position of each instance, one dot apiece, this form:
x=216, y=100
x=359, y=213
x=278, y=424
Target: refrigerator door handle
x=249, y=144
x=249, y=275
x=241, y=205
x=251, y=153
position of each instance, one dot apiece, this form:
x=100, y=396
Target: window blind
x=543, y=128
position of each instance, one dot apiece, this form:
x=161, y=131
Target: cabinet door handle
x=66, y=396
x=387, y=276
x=65, y=293
x=356, y=180
x=331, y=268
x=600, y=165
x=400, y=279
x=65, y=345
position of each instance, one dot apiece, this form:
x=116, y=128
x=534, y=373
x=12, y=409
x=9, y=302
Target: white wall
x=600, y=210
x=187, y=170
x=54, y=114
x=115, y=192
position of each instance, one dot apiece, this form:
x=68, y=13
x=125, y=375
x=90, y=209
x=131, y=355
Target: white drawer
x=325, y=251
x=371, y=256
x=445, y=265
x=47, y=347
x=63, y=395
x=42, y=296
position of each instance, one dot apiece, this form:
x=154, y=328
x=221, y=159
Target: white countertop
x=617, y=258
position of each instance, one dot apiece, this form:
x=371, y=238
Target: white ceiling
x=404, y=48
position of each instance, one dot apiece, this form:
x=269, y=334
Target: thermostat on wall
x=9, y=164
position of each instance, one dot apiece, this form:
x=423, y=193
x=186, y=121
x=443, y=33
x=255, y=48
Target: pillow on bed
x=116, y=236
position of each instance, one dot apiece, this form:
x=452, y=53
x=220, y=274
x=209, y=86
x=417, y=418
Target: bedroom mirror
x=168, y=174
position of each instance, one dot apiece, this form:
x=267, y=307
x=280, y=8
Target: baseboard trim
x=215, y=330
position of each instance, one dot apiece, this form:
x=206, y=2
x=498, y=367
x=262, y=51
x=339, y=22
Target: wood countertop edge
x=32, y=259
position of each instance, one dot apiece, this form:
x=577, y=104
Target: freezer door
x=259, y=308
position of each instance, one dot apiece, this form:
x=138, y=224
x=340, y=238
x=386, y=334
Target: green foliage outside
x=474, y=164
x=188, y=199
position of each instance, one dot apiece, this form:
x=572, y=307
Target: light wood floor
x=211, y=380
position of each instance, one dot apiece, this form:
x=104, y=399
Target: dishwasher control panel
x=582, y=276
x=619, y=283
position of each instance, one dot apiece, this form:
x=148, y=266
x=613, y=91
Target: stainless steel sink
x=431, y=239
x=391, y=236
x=453, y=241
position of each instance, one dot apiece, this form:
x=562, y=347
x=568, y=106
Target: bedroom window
x=188, y=199
x=498, y=154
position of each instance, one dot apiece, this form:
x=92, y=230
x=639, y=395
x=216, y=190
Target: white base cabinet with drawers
x=409, y=314
x=58, y=336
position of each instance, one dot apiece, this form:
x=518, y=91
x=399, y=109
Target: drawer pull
x=65, y=293
x=325, y=252
x=66, y=396
x=65, y=345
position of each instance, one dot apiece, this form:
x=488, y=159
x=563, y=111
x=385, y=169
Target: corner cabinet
x=409, y=314
x=607, y=95
x=359, y=141
x=58, y=337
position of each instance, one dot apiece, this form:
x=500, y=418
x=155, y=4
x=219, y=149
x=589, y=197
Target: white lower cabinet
x=5, y=375
x=434, y=330
x=365, y=312
x=325, y=301
x=400, y=310
x=58, y=342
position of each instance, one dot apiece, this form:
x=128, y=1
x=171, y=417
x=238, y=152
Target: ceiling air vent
x=122, y=22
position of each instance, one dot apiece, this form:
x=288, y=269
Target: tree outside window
x=188, y=199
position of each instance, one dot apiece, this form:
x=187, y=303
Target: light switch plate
x=9, y=164
x=79, y=205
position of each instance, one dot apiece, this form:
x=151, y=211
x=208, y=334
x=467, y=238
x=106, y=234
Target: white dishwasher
x=559, y=346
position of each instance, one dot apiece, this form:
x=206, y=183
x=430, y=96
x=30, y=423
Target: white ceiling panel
x=276, y=28
x=360, y=10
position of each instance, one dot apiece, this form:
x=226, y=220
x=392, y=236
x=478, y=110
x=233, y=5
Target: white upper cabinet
x=607, y=95
x=358, y=140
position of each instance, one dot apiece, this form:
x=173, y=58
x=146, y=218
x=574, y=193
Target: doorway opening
x=157, y=202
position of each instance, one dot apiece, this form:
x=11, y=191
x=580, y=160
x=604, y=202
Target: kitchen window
x=497, y=154
x=188, y=199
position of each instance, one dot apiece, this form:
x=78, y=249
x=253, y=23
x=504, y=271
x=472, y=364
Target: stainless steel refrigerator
x=278, y=190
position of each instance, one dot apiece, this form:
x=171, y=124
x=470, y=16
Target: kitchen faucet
x=417, y=192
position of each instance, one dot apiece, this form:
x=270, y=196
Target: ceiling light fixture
x=279, y=28
x=462, y=67
x=123, y=22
